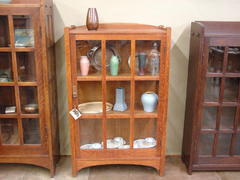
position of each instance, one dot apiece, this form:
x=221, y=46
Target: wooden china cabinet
x=125, y=41
x=28, y=108
x=212, y=120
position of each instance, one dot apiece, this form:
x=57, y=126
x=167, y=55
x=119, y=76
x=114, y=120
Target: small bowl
x=30, y=108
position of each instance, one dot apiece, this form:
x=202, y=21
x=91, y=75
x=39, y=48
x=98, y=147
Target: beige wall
x=177, y=14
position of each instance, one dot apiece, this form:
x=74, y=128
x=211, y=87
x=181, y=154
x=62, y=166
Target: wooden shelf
x=20, y=5
x=227, y=74
x=7, y=83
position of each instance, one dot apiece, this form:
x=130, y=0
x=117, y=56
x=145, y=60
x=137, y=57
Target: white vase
x=149, y=101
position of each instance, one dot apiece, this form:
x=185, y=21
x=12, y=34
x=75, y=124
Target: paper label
x=75, y=113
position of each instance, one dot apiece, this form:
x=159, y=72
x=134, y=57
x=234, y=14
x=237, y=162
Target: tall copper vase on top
x=92, y=19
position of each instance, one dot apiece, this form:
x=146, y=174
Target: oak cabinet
x=28, y=106
x=212, y=120
x=92, y=134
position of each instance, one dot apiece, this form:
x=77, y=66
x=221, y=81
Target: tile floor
x=175, y=170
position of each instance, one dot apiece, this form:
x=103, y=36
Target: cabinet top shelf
x=120, y=28
x=219, y=28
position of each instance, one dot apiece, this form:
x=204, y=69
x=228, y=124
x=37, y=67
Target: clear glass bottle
x=154, y=57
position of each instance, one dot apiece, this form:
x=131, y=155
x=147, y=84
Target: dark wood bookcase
x=132, y=124
x=212, y=119
x=28, y=98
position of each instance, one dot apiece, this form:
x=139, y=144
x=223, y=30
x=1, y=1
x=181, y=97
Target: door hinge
x=74, y=93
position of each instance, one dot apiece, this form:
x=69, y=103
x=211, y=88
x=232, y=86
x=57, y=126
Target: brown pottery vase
x=92, y=19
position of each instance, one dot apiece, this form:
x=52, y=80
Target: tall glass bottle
x=154, y=58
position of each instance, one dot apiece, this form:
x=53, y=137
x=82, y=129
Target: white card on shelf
x=75, y=113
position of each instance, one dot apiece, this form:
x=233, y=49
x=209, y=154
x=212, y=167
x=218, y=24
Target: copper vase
x=92, y=19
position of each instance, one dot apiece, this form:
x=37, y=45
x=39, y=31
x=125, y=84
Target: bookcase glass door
x=219, y=122
x=20, y=122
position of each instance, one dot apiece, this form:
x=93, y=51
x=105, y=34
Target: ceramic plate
x=93, y=107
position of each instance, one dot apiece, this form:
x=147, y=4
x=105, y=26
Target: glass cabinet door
x=220, y=103
x=20, y=120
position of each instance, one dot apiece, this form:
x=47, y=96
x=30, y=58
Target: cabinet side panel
x=196, y=48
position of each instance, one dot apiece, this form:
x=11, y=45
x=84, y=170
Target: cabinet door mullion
x=132, y=95
x=104, y=86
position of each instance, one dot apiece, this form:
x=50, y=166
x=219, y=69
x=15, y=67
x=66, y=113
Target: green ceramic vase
x=114, y=63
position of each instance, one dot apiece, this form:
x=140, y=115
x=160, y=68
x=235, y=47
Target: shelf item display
x=122, y=133
x=114, y=63
x=154, y=57
x=149, y=101
x=84, y=65
x=93, y=107
x=28, y=98
x=211, y=129
x=120, y=104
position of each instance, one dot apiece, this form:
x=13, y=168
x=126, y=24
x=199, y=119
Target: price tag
x=75, y=113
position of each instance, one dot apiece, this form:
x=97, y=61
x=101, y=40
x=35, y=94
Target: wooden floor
x=175, y=170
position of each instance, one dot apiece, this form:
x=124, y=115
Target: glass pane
x=233, y=60
x=215, y=59
x=209, y=117
x=231, y=89
x=90, y=97
x=26, y=66
x=118, y=57
x=118, y=94
x=9, y=131
x=118, y=133
x=6, y=74
x=148, y=89
x=23, y=30
x=31, y=131
x=4, y=32
x=7, y=100
x=237, y=147
x=89, y=58
x=90, y=133
x=224, y=141
x=227, y=117
x=206, y=139
x=147, y=57
x=145, y=131
x=29, y=100
x=212, y=89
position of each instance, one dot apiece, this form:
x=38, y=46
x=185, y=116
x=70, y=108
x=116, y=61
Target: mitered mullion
x=104, y=86
x=132, y=101
x=221, y=96
x=15, y=78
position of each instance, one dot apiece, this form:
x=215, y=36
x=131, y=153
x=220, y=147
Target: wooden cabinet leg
x=74, y=173
x=52, y=172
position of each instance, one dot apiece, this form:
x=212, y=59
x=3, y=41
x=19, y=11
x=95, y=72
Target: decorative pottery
x=93, y=107
x=95, y=56
x=142, y=57
x=114, y=63
x=149, y=142
x=30, y=108
x=149, y=101
x=92, y=19
x=84, y=65
x=120, y=104
x=154, y=59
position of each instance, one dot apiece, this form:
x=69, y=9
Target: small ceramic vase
x=92, y=19
x=120, y=104
x=84, y=65
x=142, y=57
x=114, y=63
x=149, y=101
